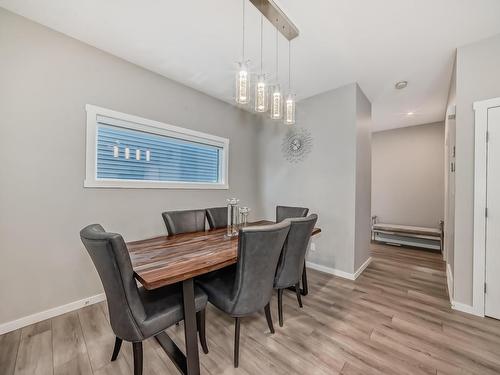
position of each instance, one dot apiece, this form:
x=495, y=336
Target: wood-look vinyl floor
x=394, y=319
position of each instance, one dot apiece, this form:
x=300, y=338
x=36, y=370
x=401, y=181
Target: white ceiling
x=375, y=43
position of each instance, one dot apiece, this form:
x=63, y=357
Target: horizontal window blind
x=128, y=154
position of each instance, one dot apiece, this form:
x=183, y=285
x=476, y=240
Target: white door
x=492, y=296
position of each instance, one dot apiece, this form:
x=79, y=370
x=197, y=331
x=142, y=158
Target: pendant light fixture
x=276, y=105
x=242, y=76
x=289, y=115
x=261, y=89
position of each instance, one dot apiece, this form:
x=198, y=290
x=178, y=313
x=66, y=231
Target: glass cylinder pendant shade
x=242, y=84
x=261, y=93
x=289, y=110
x=276, y=103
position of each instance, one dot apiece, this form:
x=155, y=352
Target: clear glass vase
x=233, y=216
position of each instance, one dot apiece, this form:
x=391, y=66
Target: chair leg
x=305, y=286
x=297, y=291
x=200, y=322
x=137, y=348
x=280, y=306
x=116, y=350
x=269, y=318
x=236, y=342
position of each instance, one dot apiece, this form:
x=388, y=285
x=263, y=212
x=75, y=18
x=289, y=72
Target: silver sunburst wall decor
x=297, y=144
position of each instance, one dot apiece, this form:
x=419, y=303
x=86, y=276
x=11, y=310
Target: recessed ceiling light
x=410, y=113
x=401, y=85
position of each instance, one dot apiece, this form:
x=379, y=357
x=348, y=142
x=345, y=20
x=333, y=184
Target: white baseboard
x=464, y=308
x=449, y=282
x=362, y=268
x=468, y=309
x=50, y=313
x=339, y=273
x=329, y=270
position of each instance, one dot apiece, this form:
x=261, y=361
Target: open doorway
x=408, y=185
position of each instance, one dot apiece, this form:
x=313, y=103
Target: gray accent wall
x=363, y=200
x=477, y=78
x=46, y=79
x=330, y=179
x=408, y=175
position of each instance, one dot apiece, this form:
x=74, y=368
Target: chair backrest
x=178, y=222
x=292, y=257
x=112, y=261
x=217, y=217
x=259, y=249
x=286, y=212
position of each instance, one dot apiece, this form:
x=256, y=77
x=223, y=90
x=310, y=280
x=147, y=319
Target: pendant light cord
x=261, y=40
x=243, y=33
x=276, y=55
x=289, y=65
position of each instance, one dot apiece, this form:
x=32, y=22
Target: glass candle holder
x=244, y=211
x=233, y=216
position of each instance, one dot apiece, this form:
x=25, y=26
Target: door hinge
x=484, y=288
x=486, y=211
x=487, y=136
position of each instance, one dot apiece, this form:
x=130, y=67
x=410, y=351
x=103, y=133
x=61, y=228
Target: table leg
x=174, y=353
x=190, y=331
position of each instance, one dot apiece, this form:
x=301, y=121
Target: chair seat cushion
x=164, y=307
x=218, y=286
x=281, y=284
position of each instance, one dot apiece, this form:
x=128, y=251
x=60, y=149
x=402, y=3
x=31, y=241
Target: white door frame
x=480, y=175
x=450, y=115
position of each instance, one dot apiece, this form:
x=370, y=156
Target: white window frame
x=155, y=127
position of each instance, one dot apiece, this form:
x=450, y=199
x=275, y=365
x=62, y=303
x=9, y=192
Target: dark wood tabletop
x=165, y=260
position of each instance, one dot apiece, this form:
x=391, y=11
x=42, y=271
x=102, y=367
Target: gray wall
x=408, y=175
x=478, y=78
x=46, y=80
x=363, y=178
x=326, y=180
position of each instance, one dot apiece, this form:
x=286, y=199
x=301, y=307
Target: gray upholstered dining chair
x=287, y=212
x=188, y=221
x=247, y=287
x=291, y=262
x=135, y=313
x=217, y=217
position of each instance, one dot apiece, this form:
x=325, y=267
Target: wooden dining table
x=166, y=260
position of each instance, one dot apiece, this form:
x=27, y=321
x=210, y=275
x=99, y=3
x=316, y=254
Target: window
x=126, y=151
